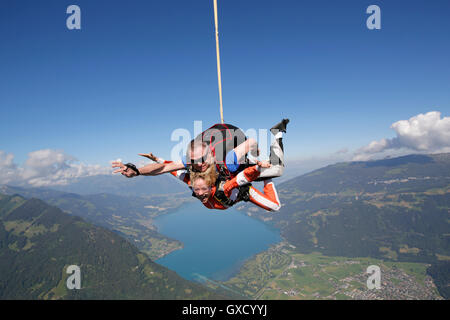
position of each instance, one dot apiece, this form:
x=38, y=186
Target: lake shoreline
x=216, y=244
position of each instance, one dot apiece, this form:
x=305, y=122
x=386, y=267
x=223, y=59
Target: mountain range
x=129, y=216
x=38, y=242
x=394, y=209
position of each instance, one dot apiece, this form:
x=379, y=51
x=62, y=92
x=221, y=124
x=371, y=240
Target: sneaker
x=281, y=126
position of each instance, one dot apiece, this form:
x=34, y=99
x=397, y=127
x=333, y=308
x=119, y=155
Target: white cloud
x=8, y=168
x=45, y=168
x=6, y=160
x=423, y=133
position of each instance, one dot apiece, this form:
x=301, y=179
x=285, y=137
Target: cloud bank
x=45, y=168
x=423, y=133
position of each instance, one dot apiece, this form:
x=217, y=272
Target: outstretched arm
x=182, y=175
x=249, y=145
x=152, y=169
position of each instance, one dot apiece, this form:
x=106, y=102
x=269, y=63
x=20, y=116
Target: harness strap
x=220, y=196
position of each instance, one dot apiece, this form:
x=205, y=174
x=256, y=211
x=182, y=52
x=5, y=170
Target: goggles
x=190, y=162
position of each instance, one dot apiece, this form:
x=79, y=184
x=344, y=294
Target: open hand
x=123, y=169
x=150, y=156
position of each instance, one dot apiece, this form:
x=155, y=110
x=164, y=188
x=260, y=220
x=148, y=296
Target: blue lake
x=216, y=242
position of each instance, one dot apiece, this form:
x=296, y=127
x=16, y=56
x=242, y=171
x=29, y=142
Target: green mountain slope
x=38, y=242
x=129, y=216
x=395, y=209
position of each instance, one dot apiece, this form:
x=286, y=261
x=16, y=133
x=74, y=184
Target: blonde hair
x=210, y=175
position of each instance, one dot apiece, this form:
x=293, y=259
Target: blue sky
x=137, y=70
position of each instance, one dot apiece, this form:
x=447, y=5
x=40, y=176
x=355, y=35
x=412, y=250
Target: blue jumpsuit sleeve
x=183, y=159
x=232, y=161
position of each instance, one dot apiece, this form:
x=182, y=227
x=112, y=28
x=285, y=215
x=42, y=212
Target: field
x=283, y=273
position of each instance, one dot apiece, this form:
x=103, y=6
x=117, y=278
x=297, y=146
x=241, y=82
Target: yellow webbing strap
x=218, y=61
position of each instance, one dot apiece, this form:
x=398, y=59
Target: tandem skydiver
x=222, y=145
x=215, y=192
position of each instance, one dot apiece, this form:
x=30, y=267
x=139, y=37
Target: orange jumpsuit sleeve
x=244, y=177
